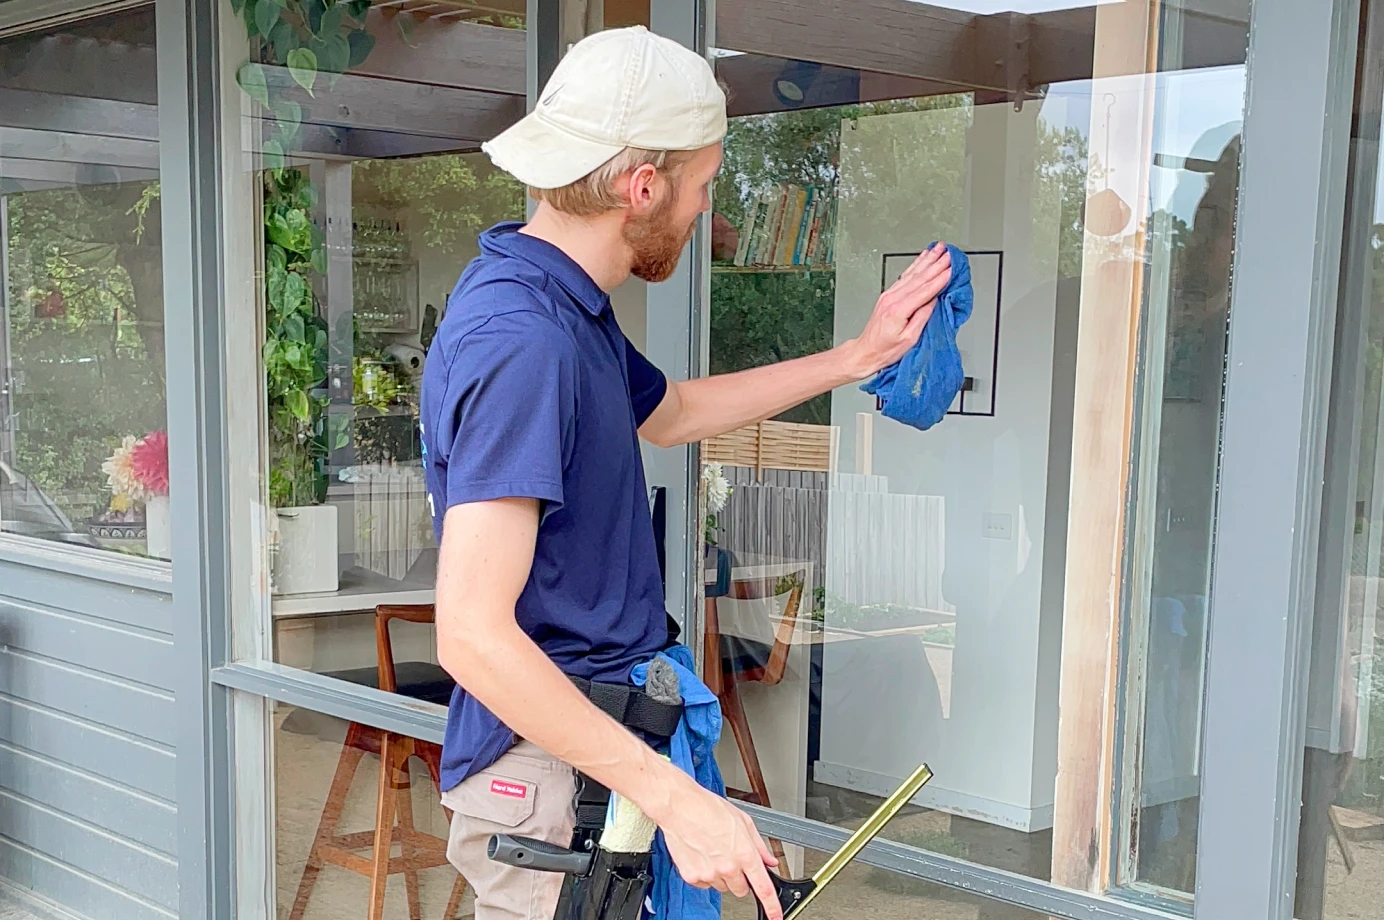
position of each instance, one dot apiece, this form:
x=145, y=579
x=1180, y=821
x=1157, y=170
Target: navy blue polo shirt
x=531, y=390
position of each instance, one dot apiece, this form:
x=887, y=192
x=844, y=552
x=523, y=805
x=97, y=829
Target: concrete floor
x=10, y=910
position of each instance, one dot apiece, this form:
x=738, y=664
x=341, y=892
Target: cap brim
x=541, y=155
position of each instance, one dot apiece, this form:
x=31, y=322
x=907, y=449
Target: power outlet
x=996, y=526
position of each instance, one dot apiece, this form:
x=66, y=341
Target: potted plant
x=295, y=359
x=137, y=475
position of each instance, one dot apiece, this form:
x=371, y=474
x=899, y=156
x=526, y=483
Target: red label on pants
x=511, y=790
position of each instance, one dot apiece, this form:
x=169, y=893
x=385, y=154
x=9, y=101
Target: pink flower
x=150, y=461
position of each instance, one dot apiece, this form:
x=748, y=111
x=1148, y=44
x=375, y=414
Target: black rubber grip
x=537, y=854
x=791, y=894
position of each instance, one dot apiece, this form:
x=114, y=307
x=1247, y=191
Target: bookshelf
x=787, y=228
x=726, y=268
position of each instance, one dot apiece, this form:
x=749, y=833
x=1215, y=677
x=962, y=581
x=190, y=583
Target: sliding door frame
x=1282, y=318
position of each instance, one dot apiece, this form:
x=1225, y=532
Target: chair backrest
x=384, y=649
x=771, y=621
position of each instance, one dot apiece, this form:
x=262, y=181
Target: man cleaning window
x=550, y=604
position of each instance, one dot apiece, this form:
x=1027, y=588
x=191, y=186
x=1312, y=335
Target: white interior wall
x=975, y=713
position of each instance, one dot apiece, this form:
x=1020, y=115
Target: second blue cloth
x=920, y=388
x=692, y=750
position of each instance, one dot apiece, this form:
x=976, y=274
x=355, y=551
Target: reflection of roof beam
x=77, y=114
x=77, y=129
x=359, y=144
x=446, y=52
x=36, y=174
x=457, y=8
x=441, y=52
x=1008, y=52
x=406, y=108
x=751, y=78
x=66, y=147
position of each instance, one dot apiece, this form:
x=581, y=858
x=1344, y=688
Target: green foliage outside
x=455, y=199
x=85, y=309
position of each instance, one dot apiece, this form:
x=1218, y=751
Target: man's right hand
x=716, y=845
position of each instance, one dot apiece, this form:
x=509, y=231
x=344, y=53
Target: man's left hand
x=901, y=313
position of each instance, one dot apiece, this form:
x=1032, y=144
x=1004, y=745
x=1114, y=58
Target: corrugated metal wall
x=87, y=815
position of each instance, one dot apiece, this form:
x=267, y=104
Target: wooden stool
x=394, y=802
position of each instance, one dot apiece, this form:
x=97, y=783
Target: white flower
x=717, y=487
x=120, y=472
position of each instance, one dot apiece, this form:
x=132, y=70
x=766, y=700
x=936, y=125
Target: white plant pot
x=307, y=561
x=158, y=528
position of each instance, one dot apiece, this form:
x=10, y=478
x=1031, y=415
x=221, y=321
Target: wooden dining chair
x=394, y=801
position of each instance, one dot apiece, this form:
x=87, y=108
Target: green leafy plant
x=375, y=384
x=298, y=46
x=295, y=345
x=307, y=43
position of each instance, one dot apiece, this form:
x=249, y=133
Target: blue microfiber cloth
x=921, y=387
x=692, y=750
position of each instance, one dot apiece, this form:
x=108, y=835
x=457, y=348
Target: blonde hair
x=596, y=193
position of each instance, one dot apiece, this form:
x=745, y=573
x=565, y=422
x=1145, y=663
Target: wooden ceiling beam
x=1004, y=52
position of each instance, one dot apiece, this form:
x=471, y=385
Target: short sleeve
x=510, y=405
x=648, y=386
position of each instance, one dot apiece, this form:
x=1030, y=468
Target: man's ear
x=642, y=188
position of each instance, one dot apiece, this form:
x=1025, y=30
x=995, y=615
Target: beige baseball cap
x=614, y=89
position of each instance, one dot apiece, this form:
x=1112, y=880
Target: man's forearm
x=512, y=677
x=709, y=406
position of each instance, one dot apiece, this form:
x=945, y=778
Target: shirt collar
x=505, y=240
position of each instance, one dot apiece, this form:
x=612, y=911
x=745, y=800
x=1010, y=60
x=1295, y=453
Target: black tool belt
x=637, y=711
x=632, y=707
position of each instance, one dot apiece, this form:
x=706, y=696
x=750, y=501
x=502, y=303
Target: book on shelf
x=788, y=226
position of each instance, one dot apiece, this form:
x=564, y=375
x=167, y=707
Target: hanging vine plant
x=307, y=43
x=298, y=46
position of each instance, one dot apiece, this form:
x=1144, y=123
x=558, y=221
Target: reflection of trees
x=86, y=331
x=456, y=195
x=761, y=318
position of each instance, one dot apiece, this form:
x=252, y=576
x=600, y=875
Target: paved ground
x=12, y=911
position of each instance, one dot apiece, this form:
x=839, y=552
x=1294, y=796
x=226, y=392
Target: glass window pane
x=877, y=595
x=356, y=208
x=83, y=453
x=866, y=891
x=1340, y=865
x=327, y=797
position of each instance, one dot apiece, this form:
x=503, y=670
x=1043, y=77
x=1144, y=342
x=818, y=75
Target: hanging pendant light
x=1106, y=213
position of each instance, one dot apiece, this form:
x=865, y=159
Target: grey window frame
x=18, y=17
x=1297, y=122
x=1301, y=57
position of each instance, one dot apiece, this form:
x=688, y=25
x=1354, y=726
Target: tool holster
x=599, y=884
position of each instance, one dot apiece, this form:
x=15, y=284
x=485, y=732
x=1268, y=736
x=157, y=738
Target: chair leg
x=326, y=827
x=385, y=809
x=454, y=902
x=734, y=713
x=404, y=803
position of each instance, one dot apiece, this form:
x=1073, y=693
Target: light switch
x=998, y=526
